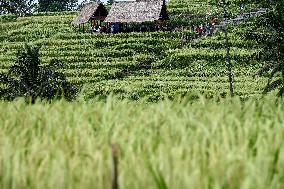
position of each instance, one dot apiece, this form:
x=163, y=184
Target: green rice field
x=169, y=144
x=162, y=102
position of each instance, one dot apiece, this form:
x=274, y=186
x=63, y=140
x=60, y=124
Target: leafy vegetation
x=173, y=144
x=56, y=5
x=21, y=8
x=269, y=33
x=185, y=140
x=27, y=78
x=106, y=63
x=99, y=61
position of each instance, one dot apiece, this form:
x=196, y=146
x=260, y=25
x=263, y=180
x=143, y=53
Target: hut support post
x=228, y=56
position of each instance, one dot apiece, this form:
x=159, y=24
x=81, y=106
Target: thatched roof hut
x=138, y=11
x=91, y=11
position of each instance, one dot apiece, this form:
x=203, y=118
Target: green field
x=205, y=144
x=164, y=103
x=107, y=63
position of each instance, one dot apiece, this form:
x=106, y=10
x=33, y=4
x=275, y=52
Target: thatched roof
x=88, y=12
x=137, y=11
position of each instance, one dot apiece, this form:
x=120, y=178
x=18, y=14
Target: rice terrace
x=162, y=94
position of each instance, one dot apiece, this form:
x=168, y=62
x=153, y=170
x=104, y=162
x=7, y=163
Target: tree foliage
x=27, y=78
x=20, y=7
x=56, y=5
x=269, y=33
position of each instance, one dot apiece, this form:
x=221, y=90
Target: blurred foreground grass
x=199, y=145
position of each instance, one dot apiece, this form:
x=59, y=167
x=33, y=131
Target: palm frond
x=281, y=92
x=273, y=85
x=27, y=78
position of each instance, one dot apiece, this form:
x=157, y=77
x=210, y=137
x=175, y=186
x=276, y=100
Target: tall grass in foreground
x=205, y=144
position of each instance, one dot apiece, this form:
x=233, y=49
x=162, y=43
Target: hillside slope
x=107, y=63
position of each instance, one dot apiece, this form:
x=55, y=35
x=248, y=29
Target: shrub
x=8, y=18
x=31, y=80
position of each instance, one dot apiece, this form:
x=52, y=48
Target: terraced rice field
x=187, y=141
x=107, y=63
